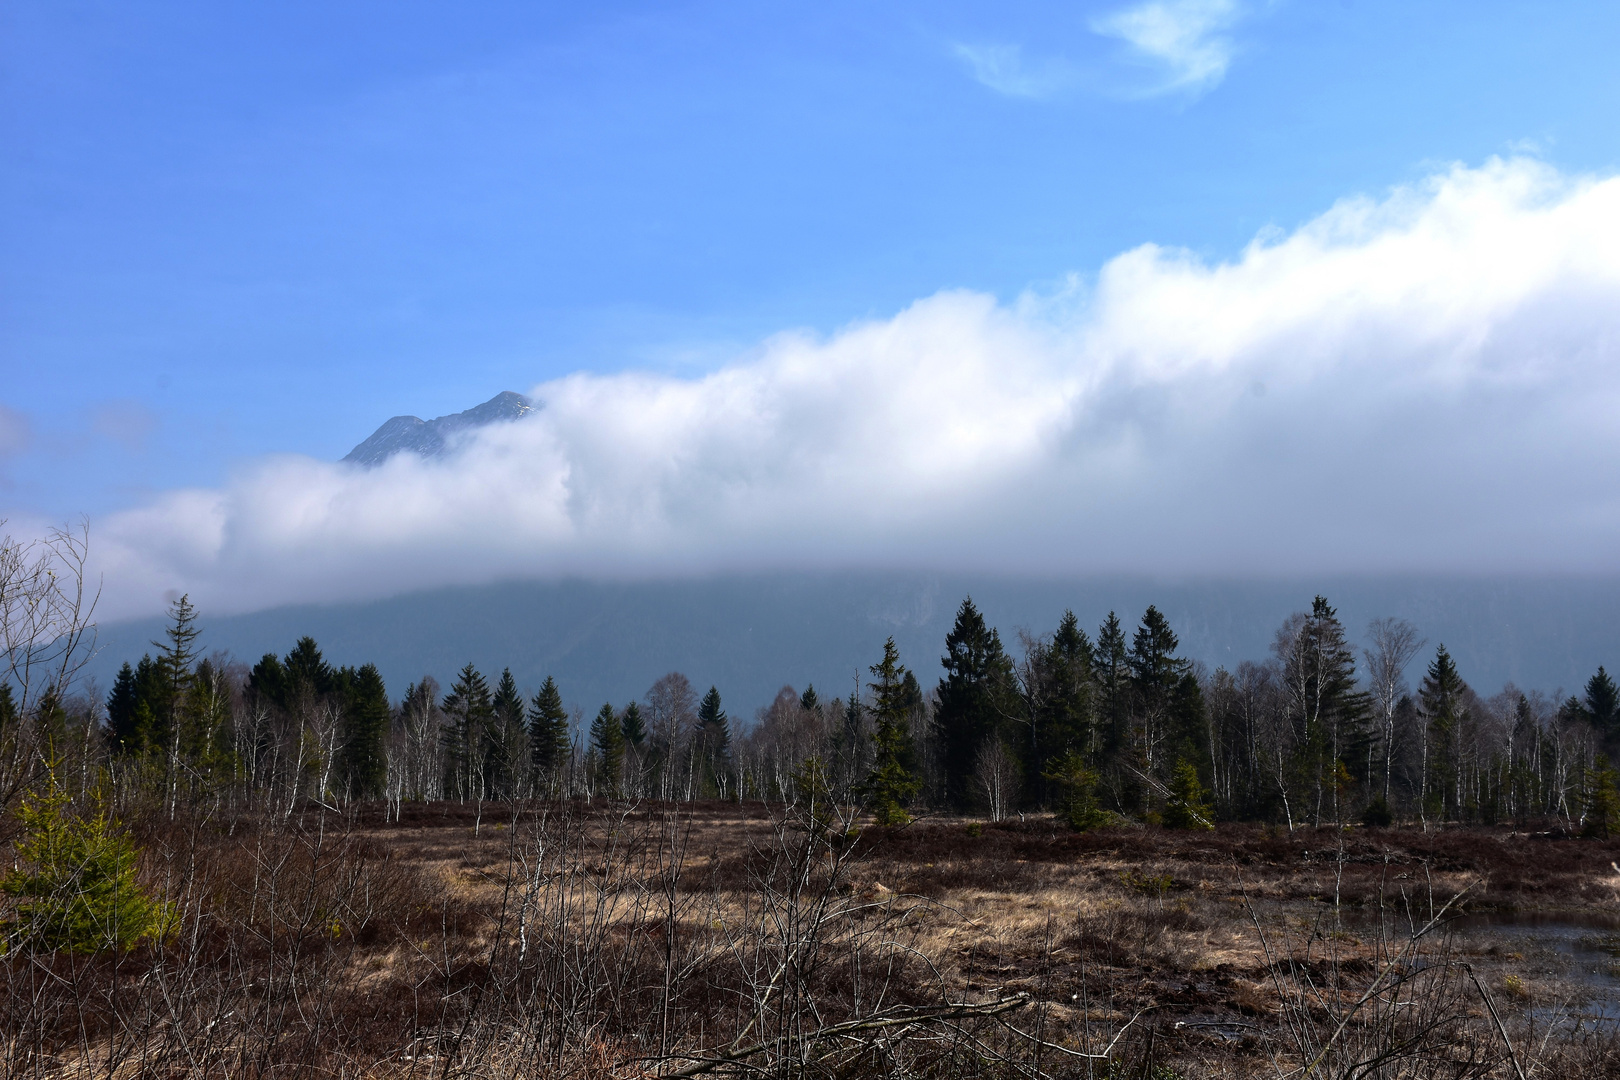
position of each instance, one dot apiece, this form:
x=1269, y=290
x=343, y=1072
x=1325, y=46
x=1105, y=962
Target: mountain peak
x=431, y=438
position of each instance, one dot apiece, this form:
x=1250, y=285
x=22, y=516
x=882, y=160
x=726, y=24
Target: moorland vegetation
x=1088, y=856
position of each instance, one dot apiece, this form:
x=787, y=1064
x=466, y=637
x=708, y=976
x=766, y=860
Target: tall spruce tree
x=505, y=749
x=548, y=732
x=1602, y=704
x=892, y=782
x=634, y=727
x=1335, y=710
x=366, y=716
x=1112, y=666
x=121, y=702
x=607, y=744
x=1442, y=704
x=468, y=712
x=712, y=740
x=975, y=696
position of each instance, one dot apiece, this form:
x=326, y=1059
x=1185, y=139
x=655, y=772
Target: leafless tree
x=1393, y=644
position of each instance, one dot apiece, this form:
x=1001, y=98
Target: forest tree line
x=1097, y=727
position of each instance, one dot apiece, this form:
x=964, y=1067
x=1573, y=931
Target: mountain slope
x=431, y=438
x=749, y=635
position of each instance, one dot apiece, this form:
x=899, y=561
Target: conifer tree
x=8, y=709
x=634, y=727
x=121, y=702
x=712, y=740
x=607, y=741
x=892, y=782
x=1600, y=802
x=1602, y=703
x=808, y=701
x=1188, y=804
x=504, y=751
x=1113, y=685
x=974, y=697
x=468, y=711
x=76, y=890
x=1441, y=701
x=177, y=659
x=548, y=732
x=365, y=727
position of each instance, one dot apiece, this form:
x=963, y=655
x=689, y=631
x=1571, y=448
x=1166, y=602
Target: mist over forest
x=752, y=634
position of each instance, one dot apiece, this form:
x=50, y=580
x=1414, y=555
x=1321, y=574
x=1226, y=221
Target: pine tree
x=892, y=782
x=1600, y=805
x=1602, y=704
x=634, y=727
x=974, y=696
x=121, y=702
x=8, y=709
x=365, y=728
x=1112, y=666
x=548, y=732
x=1076, y=786
x=469, y=711
x=504, y=752
x=1188, y=804
x=177, y=658
x=76, y=890
x=607, y=741
x=1441, y=701
x=808, y=701
x=712, y=740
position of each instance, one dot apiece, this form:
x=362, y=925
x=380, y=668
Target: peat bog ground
x=619, y=939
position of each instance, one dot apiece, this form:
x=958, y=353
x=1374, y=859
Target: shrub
x=1378, y=814
x=1188, y=806
x=78, y=892
x=1077, y=787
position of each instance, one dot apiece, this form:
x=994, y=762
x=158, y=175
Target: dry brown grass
x=625, y=940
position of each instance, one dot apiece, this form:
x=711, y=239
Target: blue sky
x=232, y=230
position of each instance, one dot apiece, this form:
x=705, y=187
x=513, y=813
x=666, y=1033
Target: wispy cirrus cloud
x=1004, y=69
x=1186, y=40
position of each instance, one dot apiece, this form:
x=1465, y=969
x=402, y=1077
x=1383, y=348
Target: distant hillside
x=751, y=635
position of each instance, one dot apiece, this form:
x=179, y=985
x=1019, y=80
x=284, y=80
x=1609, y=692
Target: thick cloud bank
x=1425, y=383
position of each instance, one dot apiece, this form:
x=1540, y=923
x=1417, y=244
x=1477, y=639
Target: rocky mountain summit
x=431, y=438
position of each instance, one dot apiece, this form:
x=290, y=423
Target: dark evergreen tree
x=468, y=712
x=892, y=782
x=1112, y=666
x=176, y=663
x=121, y=702
x=1600, y=802
x=712, y=740
x=8, y=709
x=269, y=682
x=607, y=747
x=548, y=732
x=634, y=727
x=306, y=670
x=808, y=701
x=1602, y=703
x=1188, y=804
x=1441, y=701
x=975, y=697
x=365, y=727
x=505, y=751
x=1333, y=712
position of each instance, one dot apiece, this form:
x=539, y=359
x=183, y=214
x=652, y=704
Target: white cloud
x=1186, y=38
x=1430, y=381
x=1003, y=69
